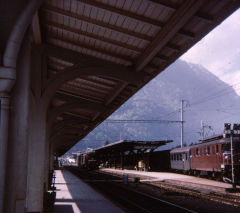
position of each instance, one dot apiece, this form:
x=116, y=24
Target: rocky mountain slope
x=205, y=96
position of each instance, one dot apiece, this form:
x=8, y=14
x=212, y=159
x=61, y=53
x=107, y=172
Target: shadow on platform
x=63, y=208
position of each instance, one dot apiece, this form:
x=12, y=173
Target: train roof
x=212, y=138
x=183, y=149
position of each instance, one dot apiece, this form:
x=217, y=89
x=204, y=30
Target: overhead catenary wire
x=140, y=121
x=216, y=94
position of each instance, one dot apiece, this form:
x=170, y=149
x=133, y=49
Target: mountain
x=205, y=96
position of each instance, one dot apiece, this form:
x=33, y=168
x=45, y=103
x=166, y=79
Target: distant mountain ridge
x=205, y=97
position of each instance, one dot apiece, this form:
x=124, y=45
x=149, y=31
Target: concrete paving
x=75, y=196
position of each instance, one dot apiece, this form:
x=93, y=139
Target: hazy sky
x=219, y=51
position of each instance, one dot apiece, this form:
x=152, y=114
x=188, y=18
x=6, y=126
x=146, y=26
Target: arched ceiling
x=101, y=52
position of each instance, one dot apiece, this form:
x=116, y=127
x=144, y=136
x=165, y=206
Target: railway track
x=218, y=197
x=136, y=201
x=131, y=200
x=155, y=196
x=225, y=198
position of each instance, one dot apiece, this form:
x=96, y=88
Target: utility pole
x=202, y=129
x=182, y=101
x=203, y=133
x=232, y=161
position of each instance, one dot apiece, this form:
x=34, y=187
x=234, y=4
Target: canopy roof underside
x=108, y=50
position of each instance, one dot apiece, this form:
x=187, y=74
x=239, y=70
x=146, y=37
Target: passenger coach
x=180, y=159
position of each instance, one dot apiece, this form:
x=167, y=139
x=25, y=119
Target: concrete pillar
x=46, y=165
x=4, y=104
x=37, y=147
x=14, y=109
x=51, y=159
x=36, y=159
x=16, y=179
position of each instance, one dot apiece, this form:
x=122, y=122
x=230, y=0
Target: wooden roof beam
x=173, y=46
x=176, y=22
x=54, y=113
x=173, y=6
x=123, y=57
x=91, y=66
x=86, y=87
x=122, y=12
x=60, y=126
x=109, y=40
x=71, y=116
x=81, y=59
x=52, y=9
x=72, y=131
x=93, y=36
x=118, y=89
x=36, y=29
x=134, y=34
x=77, y=116
x=69, y=97
x=186, y=33
x=93, y=95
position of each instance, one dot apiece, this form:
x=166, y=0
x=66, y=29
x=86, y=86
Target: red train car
x=86, y=160
x=212, y=157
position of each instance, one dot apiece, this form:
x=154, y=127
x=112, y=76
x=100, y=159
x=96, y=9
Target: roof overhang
x=103, y=52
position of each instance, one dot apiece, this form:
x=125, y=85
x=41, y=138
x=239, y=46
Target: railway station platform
x=202, y=185
x=75, y=196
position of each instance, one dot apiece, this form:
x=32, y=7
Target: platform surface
x=75, y=196
x=175, y=178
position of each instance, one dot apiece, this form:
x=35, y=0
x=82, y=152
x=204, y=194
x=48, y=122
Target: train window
x=213, y=149
x=225, y=147
x=186, y=156
x=180, y=157
x=208, y=150
x=217, y=150
x=237, y=147
x=197, y=151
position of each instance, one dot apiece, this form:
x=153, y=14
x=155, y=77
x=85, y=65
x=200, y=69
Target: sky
x=219, y=51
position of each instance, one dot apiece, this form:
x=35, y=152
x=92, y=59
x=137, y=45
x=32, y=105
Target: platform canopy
x=99, y=53
x=128, y=145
